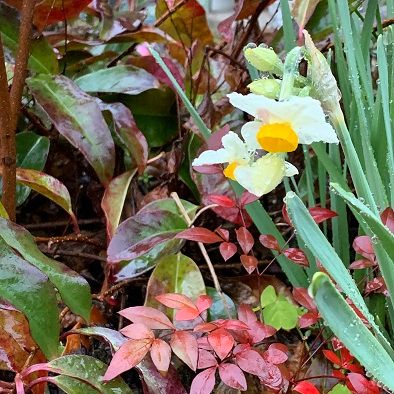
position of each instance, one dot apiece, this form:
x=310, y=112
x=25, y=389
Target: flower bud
x=266, y=87
x=264, y=59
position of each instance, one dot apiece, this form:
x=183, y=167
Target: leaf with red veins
x=301, y=295
x=160, y=353
x=275, y=355
x=227, y=250
x=363, y=246
x=296, y=256
x=361, y=264
x=223, y=233
x=203, y=303
x=184, y=345
x=249, y=262
x=362, y=385
x=137, y=331
x=269, y=241
x=306, y=387
x=221, y=200
x=221, y=341
x=204, y=382
x=205, y=359
x=251, y=361
x=320, y=215
x=128, y=356
x=232, y=376
x=387, y=217
x=259, y=331
x=308, y=319
x=175, y=301
x=199, y=234
x=150, y=317
x=245, y=239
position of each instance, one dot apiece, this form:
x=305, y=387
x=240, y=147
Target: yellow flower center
x=229, y=170
x=277, y=137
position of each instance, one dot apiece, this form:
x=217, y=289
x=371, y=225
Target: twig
x=80, y=254
x=67, y=238
x=60, y=223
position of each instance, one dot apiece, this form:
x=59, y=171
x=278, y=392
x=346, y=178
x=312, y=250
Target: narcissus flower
x=281, y=125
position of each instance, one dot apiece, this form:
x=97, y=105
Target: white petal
x=250, y=103
x=212, y=157
x=290, y=170
x=235, y=147
x=249, y=131
x=263, y=176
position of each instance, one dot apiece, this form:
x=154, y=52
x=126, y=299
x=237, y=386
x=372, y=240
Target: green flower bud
x=266, y=87
x=264, y=59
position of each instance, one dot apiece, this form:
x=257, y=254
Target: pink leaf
x=151, y=317
x=203, y=303
x=232, y=376
x=137, y=331
x=246, y=314
x=184, y=345
x=269, y=241
x=221, y=200
x=308, y=319
x=362, y=385
x=223, y=233
x=363, y=246
x=320, y=215
x=187, y=314
x=204, y=382
x=361, y=264
x=247, y=198
x=249, y=262
x=286, y=215
x=221, y=341
x=205, y=327
x=232, y=324
x=297, y=256
x=227, y=250
x=160, y=353
x=259, y=331
x=205, y=359
x=387, y=217
x=128, y=356
x=306, y=387
x=176, y=301
x=245, y=239
x=301, y=295
x=275, y=355
x=199, y=234
x=251, y=361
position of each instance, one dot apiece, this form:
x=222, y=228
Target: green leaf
x=218, y=310
x=339, y=389
x=268, y=296
x=174, y=274
x=77, y=116
x=31, y=152
x=73, y=386
x=281, y=314
x=42, y=57
x=29, y=290
x=350, y=329
x=3, y=212
x=73, y=289
x=90, y=370
x=118, y=79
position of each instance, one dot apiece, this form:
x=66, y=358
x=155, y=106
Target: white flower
x=281, y=125
x=265, y=174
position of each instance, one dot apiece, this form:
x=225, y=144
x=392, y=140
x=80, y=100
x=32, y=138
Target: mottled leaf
x=77, y=116
x=221, y=341
x=184, y=345
x=245, y=239
x=227, y=250
x=160, y=353
x=137, y=331
x=150, y=317
x=199, y=234
x=232, y=376
x=204, y=382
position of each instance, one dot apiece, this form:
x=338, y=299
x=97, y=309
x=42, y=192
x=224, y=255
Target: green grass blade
x=350, y=329
x=288, y=30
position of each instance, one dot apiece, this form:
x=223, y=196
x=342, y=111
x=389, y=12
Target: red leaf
x=251, y=361
x=227, y=250
x=137, y=331
x=160, y=353
x=306, y=387
x=231, y=324
x=204, y=382
x=208, y=169
x=221, y=200
x=271, y=376
x=247, y=198
x=286, y=215
x=308, y=319
x=187, y=314
x=245, y=239
x=249, y=262
x=360, y=264
x=269, y=241
x=363, y=246
x=205, y=327
x=221, y=341
x=203, y=343
x=362, y=385
x=246, y=314
x=275, y=355
x=387, y=217
x=223, y=233
x=199, y=234
x=151, y=317
x=296, y=256
x=259, y=331
x=206, y=359
x=175, y=300
x=320, y=215
x=301, y=295
x=128, y=356
x=331, y=356
x=184, y=345
x=203, y=303
x=232, y=376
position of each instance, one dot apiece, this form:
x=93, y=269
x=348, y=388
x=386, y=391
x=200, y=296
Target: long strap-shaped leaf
x=318, y=244
x=350, y=329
